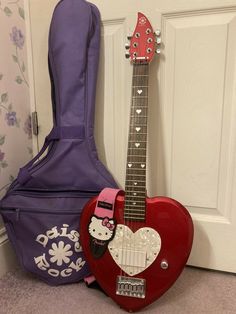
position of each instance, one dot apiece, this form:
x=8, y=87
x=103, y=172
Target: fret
x=138, y=181
x=135, y=169
x=135, y=133
x=138, y=116
x=136, y=207
x=135, y=109
x=135, y=104
x=140, y=125
x=139, y=86
x=131, y=164
x=139, y=194
x=138, y=141
x=137, y=119
x=134, y=160
x=128, y=192
x=136, y=150
x=136, y=201
x=144, y=156
x=138, y=80
x=133, y=197
x=136, y=175
x=137, y=188
x=133, y=208
x=139, y=96
x=140, y=75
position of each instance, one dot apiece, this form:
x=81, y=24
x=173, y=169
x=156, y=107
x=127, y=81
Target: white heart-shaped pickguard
x=134, y=252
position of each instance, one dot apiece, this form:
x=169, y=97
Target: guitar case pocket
x=46, y=239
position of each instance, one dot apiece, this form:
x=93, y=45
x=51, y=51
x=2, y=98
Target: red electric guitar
x=153, y=236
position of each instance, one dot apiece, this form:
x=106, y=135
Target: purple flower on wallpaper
x=2, y=155
x=11, y=118
x=17, y=37
x=28, y=127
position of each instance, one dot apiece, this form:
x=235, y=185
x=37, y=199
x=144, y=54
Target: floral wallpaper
x=15, y=118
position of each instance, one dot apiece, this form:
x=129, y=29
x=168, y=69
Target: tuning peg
x=158, y=40
x=158, y=51
x=127, y=46
x=129, y=36
x=127, y=55
x=158, y=32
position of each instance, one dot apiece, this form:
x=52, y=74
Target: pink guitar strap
x=106, y=203
x=102, y=224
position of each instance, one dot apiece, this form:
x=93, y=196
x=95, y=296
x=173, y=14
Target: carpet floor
x=195, y=291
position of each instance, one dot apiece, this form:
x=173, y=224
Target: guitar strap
x=102, y=224
x=106, y=202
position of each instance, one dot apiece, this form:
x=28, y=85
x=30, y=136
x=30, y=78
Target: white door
x=192, y=135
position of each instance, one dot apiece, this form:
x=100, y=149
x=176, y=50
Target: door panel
x=199, y=80
x=192, y=127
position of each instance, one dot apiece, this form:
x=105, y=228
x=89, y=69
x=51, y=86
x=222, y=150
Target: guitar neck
x=135, y=185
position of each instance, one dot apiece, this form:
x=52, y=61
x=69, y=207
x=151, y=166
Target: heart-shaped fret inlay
x=139, y=91
x=135, y=183
x=138, y=129
x=138, y=111
x=142, y=165
x=134, y=252
x=129, y=165
x=134, y=194
x=137, y=144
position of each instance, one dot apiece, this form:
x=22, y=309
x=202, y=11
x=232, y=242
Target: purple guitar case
x=42, y=207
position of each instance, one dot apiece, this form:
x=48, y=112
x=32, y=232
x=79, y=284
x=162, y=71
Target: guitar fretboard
x=135, y=185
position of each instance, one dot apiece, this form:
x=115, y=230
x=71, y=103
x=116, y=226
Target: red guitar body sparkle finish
x=174, y=225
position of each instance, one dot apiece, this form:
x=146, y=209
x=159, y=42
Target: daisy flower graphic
x=60, y=253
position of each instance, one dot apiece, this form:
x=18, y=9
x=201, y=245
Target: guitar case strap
x=41, y=209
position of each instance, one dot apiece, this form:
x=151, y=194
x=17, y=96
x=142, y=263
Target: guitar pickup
x=131, y=287
x=132, y=258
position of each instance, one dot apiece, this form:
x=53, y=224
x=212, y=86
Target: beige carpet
x=196, y=291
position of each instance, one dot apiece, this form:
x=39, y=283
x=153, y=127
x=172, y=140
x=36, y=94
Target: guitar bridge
x=131, y=287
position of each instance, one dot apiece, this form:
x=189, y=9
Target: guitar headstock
x=144, y=42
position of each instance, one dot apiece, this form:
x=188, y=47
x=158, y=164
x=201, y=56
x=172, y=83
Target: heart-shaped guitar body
x=143, y=259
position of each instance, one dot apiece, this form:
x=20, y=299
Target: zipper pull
x=17, y=214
